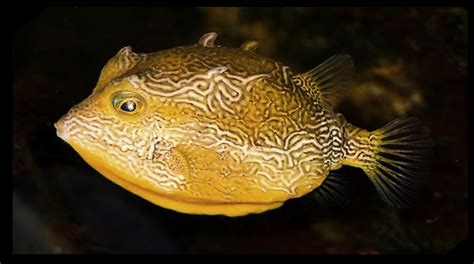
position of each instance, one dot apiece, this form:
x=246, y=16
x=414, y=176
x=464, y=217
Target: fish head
x=118, y=132
x=127, y=133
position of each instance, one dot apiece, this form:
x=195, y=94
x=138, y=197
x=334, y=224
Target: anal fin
x=335, y=191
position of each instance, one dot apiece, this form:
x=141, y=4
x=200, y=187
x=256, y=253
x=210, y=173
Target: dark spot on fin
x=207, y=40
x=250, y=45
x=401, y=155
x=335, y=191
x=326, y=81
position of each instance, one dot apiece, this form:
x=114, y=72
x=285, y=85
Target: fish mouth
x=60, y=131
x=169, y=200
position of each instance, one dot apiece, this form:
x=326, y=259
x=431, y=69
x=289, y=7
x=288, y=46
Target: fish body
x=205, y=129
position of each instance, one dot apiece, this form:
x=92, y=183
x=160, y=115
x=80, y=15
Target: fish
x=214, y=130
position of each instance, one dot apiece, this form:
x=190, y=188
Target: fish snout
x=60, y=129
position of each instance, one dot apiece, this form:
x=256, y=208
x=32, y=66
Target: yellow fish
x=205, y=129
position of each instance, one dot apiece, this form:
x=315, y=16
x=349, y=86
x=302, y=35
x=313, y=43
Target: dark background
x=408, y=62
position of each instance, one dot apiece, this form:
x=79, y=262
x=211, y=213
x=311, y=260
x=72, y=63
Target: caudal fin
x=396, y=157
x=402, y=157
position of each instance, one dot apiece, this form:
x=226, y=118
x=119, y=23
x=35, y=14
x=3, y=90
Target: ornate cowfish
x=206, y=129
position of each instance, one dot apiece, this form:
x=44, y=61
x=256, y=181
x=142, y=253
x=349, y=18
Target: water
x=409, y=62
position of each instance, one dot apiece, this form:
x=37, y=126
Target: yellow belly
x=172, y=201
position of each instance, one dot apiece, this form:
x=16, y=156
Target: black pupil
x=128, y=106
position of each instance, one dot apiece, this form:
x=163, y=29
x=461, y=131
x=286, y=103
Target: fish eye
x=128, y=106
x=126, y=102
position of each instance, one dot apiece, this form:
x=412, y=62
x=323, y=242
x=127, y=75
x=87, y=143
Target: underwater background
x=408, y=62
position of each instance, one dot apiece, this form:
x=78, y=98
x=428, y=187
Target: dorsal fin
x=124, y=60
x=250, y=45
x=328, y=79
x=207, y=40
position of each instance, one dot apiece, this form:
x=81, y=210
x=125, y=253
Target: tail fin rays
x=396, y=159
